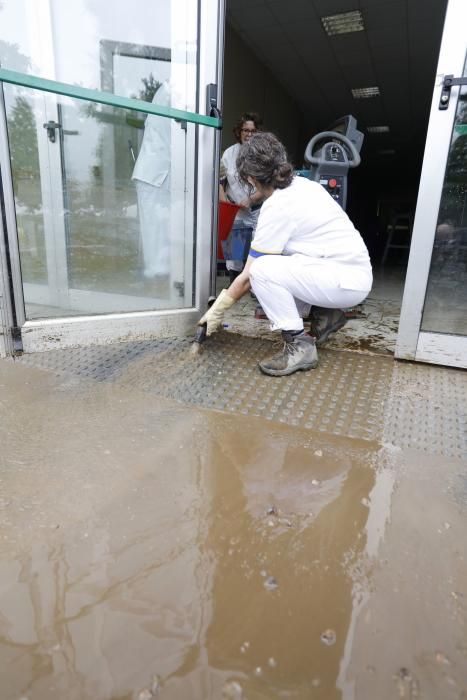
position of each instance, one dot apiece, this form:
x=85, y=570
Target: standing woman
x=306, y=251
x=232, y=189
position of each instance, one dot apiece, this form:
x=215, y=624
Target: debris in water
x=244, y=647
x=232, y=690
x=270, y=584
x=258, y=671
x=156, y=684
x=315, y=482
x=328, y=637
x=407, y=685
x=144, y=695
x=319, y=453
x=272, y=662
x=442, y=658
x=152, y=691
x=272, y=510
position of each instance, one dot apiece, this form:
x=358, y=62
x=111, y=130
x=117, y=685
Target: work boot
x=298, y=353
x=323, y=322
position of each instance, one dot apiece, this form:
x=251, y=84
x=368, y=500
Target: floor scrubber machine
x=330, y=155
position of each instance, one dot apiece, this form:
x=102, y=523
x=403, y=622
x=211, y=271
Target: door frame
x=72, y=331
x=412, y=342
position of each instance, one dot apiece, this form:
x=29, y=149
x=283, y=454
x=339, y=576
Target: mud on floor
x=150, y=549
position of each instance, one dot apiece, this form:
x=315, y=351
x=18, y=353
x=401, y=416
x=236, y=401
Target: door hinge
x=448, y=82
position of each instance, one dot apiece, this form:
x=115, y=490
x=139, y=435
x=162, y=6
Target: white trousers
x=287, y=285
x=154, y=222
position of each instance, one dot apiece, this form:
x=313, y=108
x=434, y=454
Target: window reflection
x=87, y=243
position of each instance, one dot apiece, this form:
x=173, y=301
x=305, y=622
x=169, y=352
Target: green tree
x=22, y=133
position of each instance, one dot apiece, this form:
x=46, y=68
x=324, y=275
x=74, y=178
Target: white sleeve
x=272, y=232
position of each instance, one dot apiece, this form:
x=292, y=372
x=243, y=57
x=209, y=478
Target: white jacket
x=237, y=190
x=153, y=162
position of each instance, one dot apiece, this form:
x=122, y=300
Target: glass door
x=105, y=197
x=433, y=326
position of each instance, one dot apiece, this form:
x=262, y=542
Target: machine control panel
x=334, y=185
x=334, y=153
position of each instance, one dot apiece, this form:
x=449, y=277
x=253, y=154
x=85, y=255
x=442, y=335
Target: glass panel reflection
x=446, y=299
x=104, y=196
x=22, y=131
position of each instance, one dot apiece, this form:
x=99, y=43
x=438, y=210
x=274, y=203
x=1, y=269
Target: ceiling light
x=377, y=129
x=343, y=23
x=362, y=93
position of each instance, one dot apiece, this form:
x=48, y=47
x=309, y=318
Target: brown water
x=152, y=550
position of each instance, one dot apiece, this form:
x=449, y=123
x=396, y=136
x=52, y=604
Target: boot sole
x=285, y=372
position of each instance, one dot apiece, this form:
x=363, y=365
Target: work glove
x=214, y=317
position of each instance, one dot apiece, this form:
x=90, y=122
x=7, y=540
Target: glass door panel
x=23, y=113
x=445, y=309
x=104, y=197
x=433, y=322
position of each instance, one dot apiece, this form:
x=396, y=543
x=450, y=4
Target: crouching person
x=306, y=253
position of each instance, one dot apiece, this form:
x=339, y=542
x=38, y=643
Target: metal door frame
x=105, y=328
x=412, y=343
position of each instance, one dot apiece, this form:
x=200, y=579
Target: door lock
x=51, y=127
x=448, y=82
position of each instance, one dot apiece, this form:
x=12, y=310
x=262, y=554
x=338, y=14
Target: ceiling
x=397, y=51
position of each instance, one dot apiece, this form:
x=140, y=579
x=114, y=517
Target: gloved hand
x=214, y=317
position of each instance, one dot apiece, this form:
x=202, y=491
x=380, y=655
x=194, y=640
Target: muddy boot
x=299, y=353
x=323, y=322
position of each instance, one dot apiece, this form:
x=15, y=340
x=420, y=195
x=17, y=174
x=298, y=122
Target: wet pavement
x=179, y=549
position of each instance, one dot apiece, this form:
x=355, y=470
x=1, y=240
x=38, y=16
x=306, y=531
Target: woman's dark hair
x=246, y=117
x=264, y=158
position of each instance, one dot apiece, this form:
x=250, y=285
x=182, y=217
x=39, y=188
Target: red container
x=226, y=216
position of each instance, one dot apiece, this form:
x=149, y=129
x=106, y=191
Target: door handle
x=448, y=82
x=51, y=128
x=211, y=103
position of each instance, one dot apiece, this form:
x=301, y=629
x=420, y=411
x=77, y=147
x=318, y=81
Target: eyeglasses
x=248, y=131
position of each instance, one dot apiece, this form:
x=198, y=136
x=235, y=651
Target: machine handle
x=310, y=158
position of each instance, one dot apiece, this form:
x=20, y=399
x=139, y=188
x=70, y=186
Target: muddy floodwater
x=153, y=550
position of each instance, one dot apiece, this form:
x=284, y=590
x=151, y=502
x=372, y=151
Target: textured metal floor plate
x=348, y=394
x=99, y=362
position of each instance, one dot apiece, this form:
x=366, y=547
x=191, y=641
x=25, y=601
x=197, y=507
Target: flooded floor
x=371, y=327
x=151, y=549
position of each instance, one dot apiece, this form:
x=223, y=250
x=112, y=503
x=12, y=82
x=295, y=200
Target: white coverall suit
x=307, y=252
x=152, y=176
